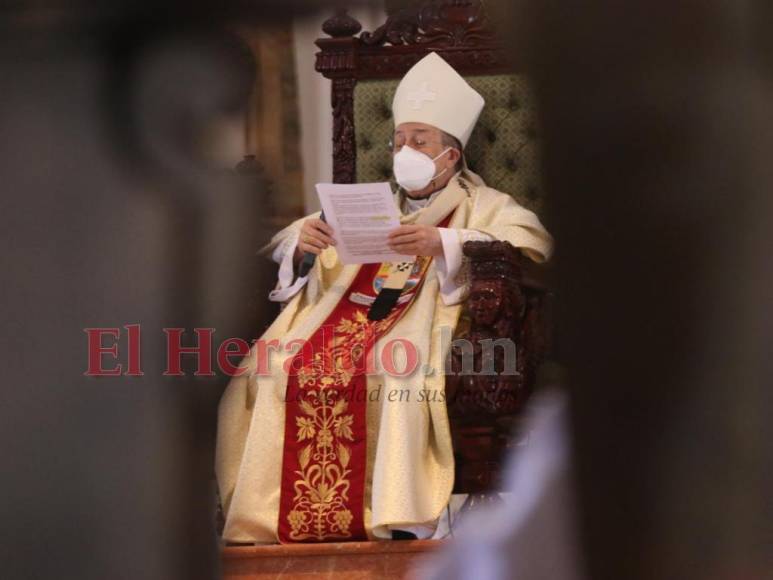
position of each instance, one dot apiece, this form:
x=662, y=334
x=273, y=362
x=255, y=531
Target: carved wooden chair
x=365, y=69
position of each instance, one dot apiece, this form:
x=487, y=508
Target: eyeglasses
x=415, y=142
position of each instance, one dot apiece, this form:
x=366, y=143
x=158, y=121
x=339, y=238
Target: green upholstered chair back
x=503, y=149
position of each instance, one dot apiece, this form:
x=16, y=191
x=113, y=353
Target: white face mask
x=414, y=170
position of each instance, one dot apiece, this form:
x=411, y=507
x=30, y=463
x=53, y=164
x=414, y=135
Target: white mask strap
x=439, y=156
x=446, y=150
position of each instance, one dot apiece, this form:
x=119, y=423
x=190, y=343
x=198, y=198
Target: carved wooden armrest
x=499, y=344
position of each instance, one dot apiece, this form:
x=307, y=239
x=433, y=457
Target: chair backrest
x=366, y=69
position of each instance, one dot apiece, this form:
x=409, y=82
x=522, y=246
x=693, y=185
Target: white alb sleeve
x=285, y=287
x=448, y=266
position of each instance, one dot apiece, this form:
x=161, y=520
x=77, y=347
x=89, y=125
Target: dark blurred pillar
x=112, y=214
x=658, y=131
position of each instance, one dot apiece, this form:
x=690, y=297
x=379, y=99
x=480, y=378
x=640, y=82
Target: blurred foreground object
x=532, y=534
x=116, y=210
x=657, y=129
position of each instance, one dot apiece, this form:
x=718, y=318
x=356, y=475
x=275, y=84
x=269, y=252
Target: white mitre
x=432, y=92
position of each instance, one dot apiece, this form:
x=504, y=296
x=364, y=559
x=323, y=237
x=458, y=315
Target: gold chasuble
x=326, y=437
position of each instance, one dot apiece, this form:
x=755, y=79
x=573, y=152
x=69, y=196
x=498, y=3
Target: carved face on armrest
x=485, y=301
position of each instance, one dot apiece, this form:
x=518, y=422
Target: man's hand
x=315, y=236
x=416, y=240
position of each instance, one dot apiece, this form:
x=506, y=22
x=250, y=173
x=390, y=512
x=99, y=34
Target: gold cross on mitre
x=420, y=96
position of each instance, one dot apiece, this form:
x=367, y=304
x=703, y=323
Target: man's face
x=424, y=139
x=428, y=140
x=419, y=136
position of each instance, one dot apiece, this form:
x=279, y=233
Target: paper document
x=361, y=215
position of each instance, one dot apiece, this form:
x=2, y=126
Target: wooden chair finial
x=341, y=24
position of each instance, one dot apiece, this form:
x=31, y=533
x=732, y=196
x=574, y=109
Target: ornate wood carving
x=494, y=361
x=344, y=143
x=341, y=24
x=440, y=23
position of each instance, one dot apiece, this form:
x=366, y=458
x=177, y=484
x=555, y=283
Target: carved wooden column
x=337, y=62
x=344, y=143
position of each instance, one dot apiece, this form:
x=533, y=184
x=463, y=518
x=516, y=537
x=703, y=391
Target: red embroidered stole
x=324, y=459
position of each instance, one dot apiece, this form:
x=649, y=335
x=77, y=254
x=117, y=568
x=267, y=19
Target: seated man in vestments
x=315, y=446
